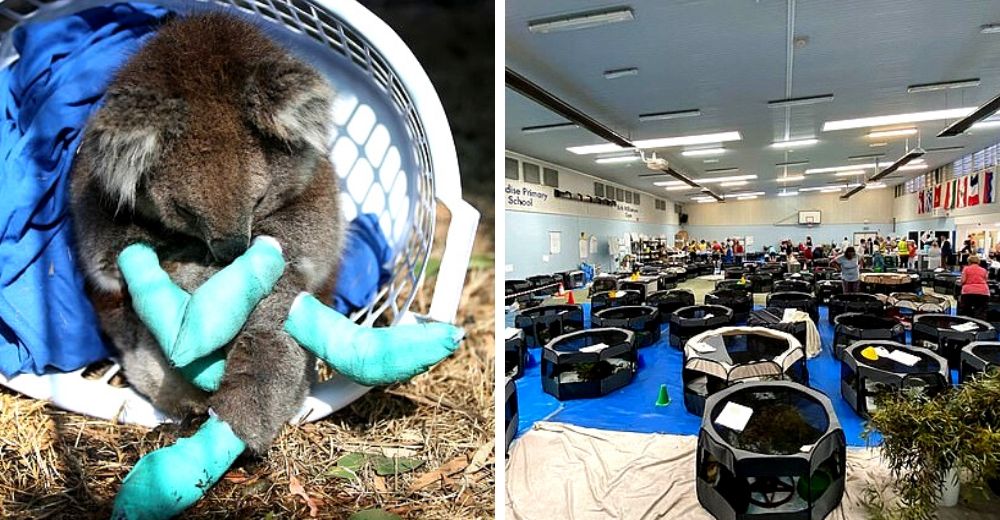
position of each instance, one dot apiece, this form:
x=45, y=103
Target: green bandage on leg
x=370, y=356
x=169, y=480
x=206, y=372
x=189, y=327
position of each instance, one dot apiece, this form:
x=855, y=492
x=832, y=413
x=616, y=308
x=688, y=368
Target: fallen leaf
x=352, y=461
x=379, y=484
x=480, y=458
x=296, y=488
x=374, y=514
x=237, y=476
x=342, y=472
x=395, y=465
x=448, y=468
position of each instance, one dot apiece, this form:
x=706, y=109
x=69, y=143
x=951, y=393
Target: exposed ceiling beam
x=907, y=157
x=960, y=126
x=534, y=92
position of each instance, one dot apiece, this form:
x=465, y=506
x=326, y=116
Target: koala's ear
x=125, y=136
x=291, y=102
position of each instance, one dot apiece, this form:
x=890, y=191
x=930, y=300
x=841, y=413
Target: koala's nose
x=226, y=249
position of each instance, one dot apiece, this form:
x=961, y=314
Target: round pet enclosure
x=717, y=359
x=541, y=324
x=927, y=277
x=739, y=300
x=910, y=303
x=825, y=289
x=761, y=282
x=666, y=302
x=771, y=318
x=770, y=450
x=688, y=322
x=571, y=279
x=735, y=273
x=795, y=300
x=642, y=320
x=824, y=272
x=515, y=354
x=511, y=415
x=392, y=150
x=643, y=286
x=544, y=284
x=870, y=368
x=703, y=268
x=854, y=302
x=978, y=357
x=604, y=300
x=850, y=327
x=679, y=270
x=602, y=283
x=949, y=284
x=887, y=283
x=518, y=291
x=947, y=335
x=801, y=276
x=793, y=286
x=665, y=281
x=588, y=363
x=734, y=284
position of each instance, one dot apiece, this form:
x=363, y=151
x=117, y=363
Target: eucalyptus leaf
x=352, y=461
x=394, y=466
x=342, y=472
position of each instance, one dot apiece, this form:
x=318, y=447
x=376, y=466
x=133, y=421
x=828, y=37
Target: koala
x=210, y=135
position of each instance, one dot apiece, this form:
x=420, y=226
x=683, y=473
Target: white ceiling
x=728, y=58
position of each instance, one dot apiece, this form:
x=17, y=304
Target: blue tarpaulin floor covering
x=633, y=409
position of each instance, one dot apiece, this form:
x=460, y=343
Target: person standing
x=904, y=253
x=849, y=272
x=912, y=247
x=934, y=256
x=975, y=290
x=947, y=258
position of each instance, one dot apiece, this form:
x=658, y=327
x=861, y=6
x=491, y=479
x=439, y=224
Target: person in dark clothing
x=947, y=255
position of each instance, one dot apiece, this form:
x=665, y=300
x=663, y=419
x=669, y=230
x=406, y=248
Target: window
x=628, y=197
x=550, y=177
x=510, y=168
x=619, y=195
x=531, y=174
x=598, y=189
x=636, y=198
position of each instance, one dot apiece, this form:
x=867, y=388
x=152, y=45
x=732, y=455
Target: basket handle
x=455, y=259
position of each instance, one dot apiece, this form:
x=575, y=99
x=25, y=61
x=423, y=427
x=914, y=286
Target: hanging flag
x=929, y=200
x=920, y=203
x=946, y=197
x=937, y=196
x=973, y=196
x=988, y=187
x=962, y=188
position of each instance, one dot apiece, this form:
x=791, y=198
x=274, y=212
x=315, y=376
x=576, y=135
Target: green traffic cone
x=663, y=399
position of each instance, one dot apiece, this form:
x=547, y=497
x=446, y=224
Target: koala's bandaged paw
x=169, y=480
x=370, y=356
x=191, y=326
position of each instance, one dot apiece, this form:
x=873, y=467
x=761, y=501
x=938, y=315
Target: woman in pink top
x=975, y=291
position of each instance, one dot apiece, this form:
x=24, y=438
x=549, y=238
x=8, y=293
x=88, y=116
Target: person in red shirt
x=975, y=290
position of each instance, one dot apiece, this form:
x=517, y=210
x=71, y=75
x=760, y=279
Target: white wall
x=771, y=219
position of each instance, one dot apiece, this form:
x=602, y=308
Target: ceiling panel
x=729, y=57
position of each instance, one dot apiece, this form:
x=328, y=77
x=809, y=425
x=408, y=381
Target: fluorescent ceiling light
x=791, y=178
x=581, y=20
x=794, y=144
x=731, y=184
x=674, y=114
x=990, y=28
x=792, y=102
x=943, y=85
x=548, y=128
x=661, y=142
x=892, y=133
x=710, y=161
x=705, y=201
x=875, y=186
x=788, y=194
x=866, y=156
x=722, y=170
x=881, y=164
x=831, y=189
x=616, y=160
x=682, y=187
x=908, y=167
x=709, y=180
x=746, y=197
x=877, y=145
x=849, y=173
x=986, y=124
x=621, y=73
x=944, y=149
x=897, y=119
x=791, y=163
x=746, y=194
x=703, y=151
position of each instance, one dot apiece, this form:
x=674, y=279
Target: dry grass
x=55, y=464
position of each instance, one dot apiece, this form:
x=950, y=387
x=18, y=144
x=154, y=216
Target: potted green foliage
x=925, y=441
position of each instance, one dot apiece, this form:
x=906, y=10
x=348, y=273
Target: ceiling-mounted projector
x=655, y=163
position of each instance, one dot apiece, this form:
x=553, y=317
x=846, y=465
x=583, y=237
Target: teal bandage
x=189, y=327
x=367, y=355
x=169, y=480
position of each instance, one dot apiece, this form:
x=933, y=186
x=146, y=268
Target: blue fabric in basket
x=45, y=99
x=46, y=320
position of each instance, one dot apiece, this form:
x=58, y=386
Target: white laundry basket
x=392, y=149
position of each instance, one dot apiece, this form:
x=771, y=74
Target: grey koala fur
x=211, y=134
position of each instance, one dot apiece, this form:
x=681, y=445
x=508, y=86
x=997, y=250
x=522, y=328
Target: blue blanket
x=46, y=320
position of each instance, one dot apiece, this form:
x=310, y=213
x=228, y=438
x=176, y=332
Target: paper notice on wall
x=593, y=244
x=584, y=248
x=555, y=242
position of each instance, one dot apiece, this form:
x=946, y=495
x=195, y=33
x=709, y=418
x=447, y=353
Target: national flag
x=929, y=200
x=920, y=203
x=987, y=187
x=937, y=196
x=946, y=197
x=973, y=195
x=963, y=184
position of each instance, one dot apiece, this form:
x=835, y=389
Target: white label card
x=734, y=416
x=597, y=347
